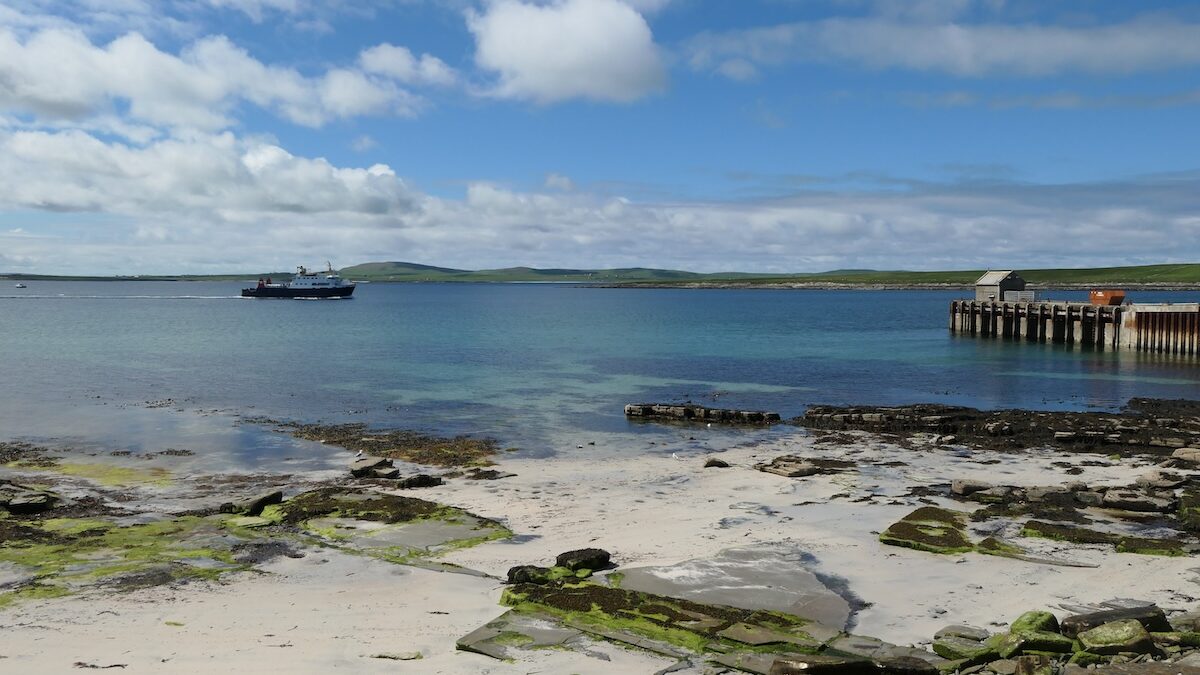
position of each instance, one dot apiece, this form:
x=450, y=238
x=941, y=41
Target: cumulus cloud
x=594, y=49
x=58, y=74
x=965, y=50
x=187, y=204
x=400, y=64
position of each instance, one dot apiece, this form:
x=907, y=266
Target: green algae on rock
x=65, y=555
x=396, y=528
x=692, y=626
x=410, y=446
x=929, y=529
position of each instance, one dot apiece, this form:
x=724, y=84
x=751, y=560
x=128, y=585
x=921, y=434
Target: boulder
x=714, y=463
x=1127, y=635
x=1142, y=501
x=966, y=486
x=528, y=574
x=1150, y=616
x=386, y=472
x=421, y=480
x=584, y=559
x=255, y=506
x=1188, y=455
x=364, y=466
x=1054, y=494
x=1039, y=664
x=956, y=648
x=1089, y=498
x=1035, y=621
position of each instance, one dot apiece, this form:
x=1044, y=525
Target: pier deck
x=1172, y=328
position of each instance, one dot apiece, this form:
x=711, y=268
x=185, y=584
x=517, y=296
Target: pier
x=1162, y=328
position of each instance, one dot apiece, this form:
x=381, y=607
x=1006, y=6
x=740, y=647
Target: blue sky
x=769, y=135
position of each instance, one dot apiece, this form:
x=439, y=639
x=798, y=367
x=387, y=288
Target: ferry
x=305, y=284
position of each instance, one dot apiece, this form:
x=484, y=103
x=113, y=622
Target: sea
x=542, y=368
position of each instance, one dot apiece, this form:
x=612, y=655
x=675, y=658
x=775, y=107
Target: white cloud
x=557, y=181
x=966, y=50
x=58, y=74
x=214, y=202
x=399, y=64
x=595, y=49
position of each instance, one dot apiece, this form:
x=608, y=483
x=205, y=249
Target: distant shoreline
x=690, y=285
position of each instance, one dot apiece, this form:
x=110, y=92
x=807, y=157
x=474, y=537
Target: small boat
x=305, y=284
x=21, y=286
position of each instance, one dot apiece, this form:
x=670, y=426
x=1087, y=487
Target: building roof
x=993, y=277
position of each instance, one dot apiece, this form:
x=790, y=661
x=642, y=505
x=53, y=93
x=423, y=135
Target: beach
x=324, y=605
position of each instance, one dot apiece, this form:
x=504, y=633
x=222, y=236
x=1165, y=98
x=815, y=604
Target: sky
x=212, y=136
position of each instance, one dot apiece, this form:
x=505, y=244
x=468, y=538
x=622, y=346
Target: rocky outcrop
x=1145, y=426
x=21, y=499
x=689, y=412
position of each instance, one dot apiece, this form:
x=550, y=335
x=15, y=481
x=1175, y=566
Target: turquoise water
x=537, y=366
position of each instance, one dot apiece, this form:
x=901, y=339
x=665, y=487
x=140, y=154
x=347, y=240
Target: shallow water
x=542, y=367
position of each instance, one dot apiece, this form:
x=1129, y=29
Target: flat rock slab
x=1151, y=617
x=771, y=577
x=513, y=630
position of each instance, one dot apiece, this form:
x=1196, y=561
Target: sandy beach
x=326, y=608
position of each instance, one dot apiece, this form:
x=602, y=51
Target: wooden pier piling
x=1163, y=328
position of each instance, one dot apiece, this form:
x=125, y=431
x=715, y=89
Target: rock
x=1188, y=455
x=1143, y=501
x=1035, y=621
x=968, y=632
x=528, y=574
x=1150, y=616
x=1127, y=635
x=954, y=647
x=1003, y=494
x=21, y=499
x=1003, y=667
x=859, y=645
x=1034, y=665
x=421, y=480
x=1187, y=622
x=1009, y=645
x=790, y=467
x=1089, y=498
x=1161, y=479
x=254, y=507
x=363, y=466
x=1055, y=494
x=585, y=559
x=966, y=486
x=905, y=665
x=387, y=472
x=714, y=463
x=800, y=664
x=929, y=529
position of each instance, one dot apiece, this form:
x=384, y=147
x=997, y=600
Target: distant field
x=1181, y=274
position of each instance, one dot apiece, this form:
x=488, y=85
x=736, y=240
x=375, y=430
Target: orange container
x=1107, y=297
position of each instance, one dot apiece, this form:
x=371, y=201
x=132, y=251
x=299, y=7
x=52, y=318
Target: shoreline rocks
x=690, y=412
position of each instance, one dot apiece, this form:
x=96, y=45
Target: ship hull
x=274, y=292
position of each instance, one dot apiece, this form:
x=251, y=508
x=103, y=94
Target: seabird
x=358, y=454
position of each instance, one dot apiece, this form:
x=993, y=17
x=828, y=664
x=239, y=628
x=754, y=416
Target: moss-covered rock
x=1008, y=645
x=1035, y=621
x=929, y=529
x=1119, y=636
x=692, y=626
x=954, y=647
x=359, y=504
x=1060, y=532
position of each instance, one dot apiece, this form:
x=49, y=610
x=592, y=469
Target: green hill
x=1164, y=275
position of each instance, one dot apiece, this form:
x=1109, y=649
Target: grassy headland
x=1143, y=276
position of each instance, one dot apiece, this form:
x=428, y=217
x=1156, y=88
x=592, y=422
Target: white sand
x=314, y=616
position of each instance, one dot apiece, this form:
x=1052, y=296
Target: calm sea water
x=542, y=367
